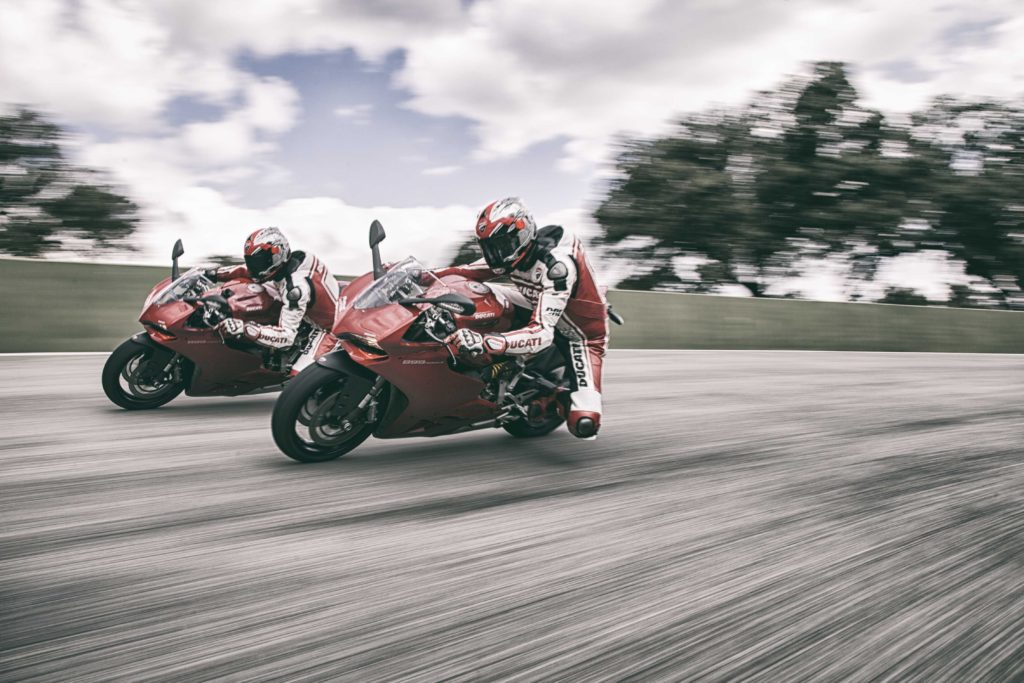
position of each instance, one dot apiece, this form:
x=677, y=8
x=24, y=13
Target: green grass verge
x=691, y=321
x=92, y=307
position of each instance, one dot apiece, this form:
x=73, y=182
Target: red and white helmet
x=505, y=230
x=266, y=250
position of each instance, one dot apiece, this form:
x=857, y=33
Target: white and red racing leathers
x=307, y=291
x=557, y=282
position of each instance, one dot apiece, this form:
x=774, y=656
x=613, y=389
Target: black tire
x=524, y=429
x=293, y=412
x=133, y=395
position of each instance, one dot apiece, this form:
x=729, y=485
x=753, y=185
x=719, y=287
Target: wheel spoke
x=138, y=384
x=326, y=420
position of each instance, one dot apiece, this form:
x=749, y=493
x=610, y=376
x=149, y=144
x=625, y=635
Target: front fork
x=369, y=402
x=368, y=405
x=167, y=360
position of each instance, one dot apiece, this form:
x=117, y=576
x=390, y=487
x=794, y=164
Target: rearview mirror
x=376, y=233
x=376, y=237
x=177, y=250
x=452, y=301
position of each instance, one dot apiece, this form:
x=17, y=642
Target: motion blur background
x=750, y=175
x=841, y=151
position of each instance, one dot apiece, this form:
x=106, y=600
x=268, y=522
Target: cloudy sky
x=220, y=116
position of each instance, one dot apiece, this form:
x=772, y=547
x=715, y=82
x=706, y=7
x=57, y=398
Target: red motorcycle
x=182, y=350
x=392, y=376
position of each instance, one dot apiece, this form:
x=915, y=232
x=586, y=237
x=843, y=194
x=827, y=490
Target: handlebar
x=212, y=314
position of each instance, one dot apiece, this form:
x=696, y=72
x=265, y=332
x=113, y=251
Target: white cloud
x=220, y=142
x=441, y=170
x=102, y=62
x=209, y=224
x=356, y=113
x=177, y=201
x=522, y=71
x=268, y=29
x=119, y=63
x=223, y=151
x=270, y=107
x=541, y=69
x=353, y=111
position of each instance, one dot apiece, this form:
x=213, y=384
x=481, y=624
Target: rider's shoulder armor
x=292, y=282
x=318, y=287
x=557, y=261
x=294, y=264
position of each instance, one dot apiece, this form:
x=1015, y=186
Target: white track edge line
x=24, y=354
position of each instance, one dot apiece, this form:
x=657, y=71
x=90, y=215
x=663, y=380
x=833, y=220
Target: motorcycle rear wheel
x=525, y=429
x=305, y=422
x=125, y=382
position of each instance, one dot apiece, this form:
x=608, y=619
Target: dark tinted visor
x=259, y=263
x=499, y=248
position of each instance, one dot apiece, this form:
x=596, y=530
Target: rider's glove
x=231, y=327
x=472, y=345
x=211, y=273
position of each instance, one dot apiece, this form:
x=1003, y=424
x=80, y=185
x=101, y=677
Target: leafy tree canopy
x=48, y=204
x=806, y=172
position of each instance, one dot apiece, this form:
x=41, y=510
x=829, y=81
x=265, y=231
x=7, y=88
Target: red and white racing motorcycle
x=181, y=349
x=392, y=375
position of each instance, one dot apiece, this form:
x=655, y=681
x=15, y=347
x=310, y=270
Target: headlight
x=159, y=329
x=368, y=344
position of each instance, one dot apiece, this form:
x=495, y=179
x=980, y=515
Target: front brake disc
x=141, y=382
x=334, y=420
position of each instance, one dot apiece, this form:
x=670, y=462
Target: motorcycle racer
x=553, y=278
x=301, y=282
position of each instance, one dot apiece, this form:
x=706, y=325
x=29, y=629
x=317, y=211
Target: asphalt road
x=744, y=516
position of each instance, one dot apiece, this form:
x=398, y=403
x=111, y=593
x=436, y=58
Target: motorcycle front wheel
x=132, y=380
x=317, y=417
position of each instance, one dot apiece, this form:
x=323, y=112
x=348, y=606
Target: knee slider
x=584, y=425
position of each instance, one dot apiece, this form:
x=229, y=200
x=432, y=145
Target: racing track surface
x=744, y=516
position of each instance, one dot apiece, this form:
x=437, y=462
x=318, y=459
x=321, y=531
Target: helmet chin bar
x=502, y=251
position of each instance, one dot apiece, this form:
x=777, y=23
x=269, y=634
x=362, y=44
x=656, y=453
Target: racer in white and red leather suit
x=307, y=291
x=555, y=279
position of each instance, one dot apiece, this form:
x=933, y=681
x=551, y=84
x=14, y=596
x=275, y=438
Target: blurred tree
x=805, y=172
x=902, y=295
x=468, y=252
x=46, y=203
x=691, y=195
x=977, y=186
x=663, y=277
x=224, y=260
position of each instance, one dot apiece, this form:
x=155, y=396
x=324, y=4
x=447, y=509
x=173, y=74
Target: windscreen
x=192, y=283
x=403, y=280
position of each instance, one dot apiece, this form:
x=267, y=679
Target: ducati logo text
x=580, y=365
